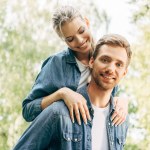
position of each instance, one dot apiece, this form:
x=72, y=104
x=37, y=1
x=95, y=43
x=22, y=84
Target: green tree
x=138, y=82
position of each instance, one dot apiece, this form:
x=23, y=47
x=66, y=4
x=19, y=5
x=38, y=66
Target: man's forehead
x=118, y=53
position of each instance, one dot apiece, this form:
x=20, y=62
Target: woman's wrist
x=62, y=93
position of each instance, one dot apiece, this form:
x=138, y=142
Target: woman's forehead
x=71, y=27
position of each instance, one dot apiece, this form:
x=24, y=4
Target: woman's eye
x=81, y=30
x=70, y=39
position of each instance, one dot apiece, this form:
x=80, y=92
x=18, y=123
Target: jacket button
x=75, y=140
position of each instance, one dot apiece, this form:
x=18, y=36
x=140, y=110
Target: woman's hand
x=121, y=110
x=76, y=104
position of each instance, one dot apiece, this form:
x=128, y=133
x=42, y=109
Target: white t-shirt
x=99, y=132
x=85, y=73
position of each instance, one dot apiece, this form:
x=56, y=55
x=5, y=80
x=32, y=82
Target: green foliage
x=142, y=10
x=138, y=83
x=27, y=38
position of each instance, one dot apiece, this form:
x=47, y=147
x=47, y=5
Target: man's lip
x=107, y=76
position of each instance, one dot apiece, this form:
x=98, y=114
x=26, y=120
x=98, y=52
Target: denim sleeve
x=115, y=90
x=48, y=81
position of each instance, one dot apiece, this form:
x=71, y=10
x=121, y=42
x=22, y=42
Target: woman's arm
x=75, y=102
x=51, y=85
x=49, y=80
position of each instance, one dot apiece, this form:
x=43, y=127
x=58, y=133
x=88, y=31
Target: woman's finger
x=87, y=112
x=118, y=118
x=77, y=114
x=71, y=113
x=83, y=114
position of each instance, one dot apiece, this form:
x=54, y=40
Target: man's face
x=109, y=66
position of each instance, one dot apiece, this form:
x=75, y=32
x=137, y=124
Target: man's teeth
x=107, y=77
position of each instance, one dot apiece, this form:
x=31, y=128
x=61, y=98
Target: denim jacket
x=116, y=135
x=54, y=130
x=75, y=137
x=60, y=70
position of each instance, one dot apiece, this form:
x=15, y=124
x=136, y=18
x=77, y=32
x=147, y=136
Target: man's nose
x=111, y=67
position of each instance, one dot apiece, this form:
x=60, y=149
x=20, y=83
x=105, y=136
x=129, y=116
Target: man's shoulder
x=83, y=91
x=123, y=128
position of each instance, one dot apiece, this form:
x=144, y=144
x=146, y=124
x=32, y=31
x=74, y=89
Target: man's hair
x=113, y=40
x=62, y=15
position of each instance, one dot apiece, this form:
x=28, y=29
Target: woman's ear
x=87, y=21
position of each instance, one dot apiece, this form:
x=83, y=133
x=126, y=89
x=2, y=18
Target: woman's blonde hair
x=62, y=15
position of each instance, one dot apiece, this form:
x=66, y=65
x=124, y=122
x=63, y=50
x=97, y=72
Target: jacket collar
x=70, y=58
x=83, y=91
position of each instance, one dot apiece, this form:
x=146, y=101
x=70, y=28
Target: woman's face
x=77, y=35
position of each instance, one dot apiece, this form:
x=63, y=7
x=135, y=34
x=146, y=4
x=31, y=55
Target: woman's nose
x=79, y=39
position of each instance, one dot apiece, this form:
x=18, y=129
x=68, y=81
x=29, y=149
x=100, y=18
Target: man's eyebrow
x=121, y=61
x=106, y=56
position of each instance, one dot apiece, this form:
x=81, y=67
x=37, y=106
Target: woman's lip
x=83, y=45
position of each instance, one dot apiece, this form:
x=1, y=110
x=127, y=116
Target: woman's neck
x=83, y=58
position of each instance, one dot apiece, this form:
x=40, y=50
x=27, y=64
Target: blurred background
x=27, y=39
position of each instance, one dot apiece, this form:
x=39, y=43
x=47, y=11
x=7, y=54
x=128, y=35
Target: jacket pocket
x=121, y=134
x=72, y=140
x=121, y=140
x=74, y=137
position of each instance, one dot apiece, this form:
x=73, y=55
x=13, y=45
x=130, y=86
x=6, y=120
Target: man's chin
x=107, y=87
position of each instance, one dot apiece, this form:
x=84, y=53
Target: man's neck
x=98, y=96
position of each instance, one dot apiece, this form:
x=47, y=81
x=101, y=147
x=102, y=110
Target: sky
x=120, y=12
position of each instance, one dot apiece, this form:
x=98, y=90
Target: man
x=108, y=66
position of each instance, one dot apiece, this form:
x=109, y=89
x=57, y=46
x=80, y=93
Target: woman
x=62, y=74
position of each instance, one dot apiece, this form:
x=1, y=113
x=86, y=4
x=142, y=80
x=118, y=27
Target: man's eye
x=119, y=65
x=104, y=60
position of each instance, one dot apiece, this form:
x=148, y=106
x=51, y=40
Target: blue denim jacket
x=54, y=130
x=60, y=70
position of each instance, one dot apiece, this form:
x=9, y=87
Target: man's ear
x=125, y=72
x=87, y=21
x=91, y=62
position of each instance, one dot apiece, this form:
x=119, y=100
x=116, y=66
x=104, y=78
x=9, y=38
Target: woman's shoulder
x=57, y=57
x=65, y=56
